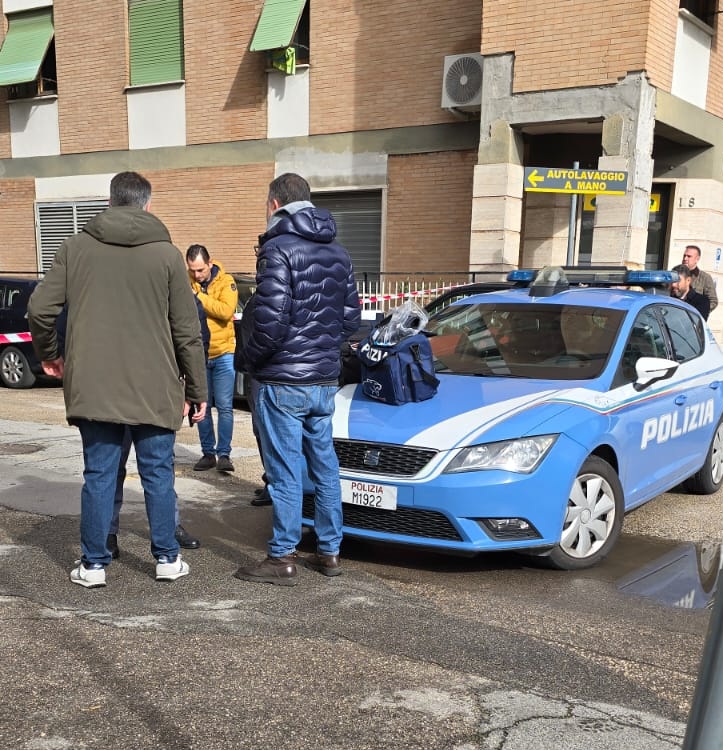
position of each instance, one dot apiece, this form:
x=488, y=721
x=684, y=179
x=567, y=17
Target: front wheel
x=15, y=369
x=593, y=517
x=709, y=479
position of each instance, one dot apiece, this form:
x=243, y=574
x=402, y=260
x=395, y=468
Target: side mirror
x=652, y=369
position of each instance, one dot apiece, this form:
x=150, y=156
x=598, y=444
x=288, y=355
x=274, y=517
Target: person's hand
x=199, y=411
x=54, y=367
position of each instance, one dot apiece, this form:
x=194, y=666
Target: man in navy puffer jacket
x=306, y=306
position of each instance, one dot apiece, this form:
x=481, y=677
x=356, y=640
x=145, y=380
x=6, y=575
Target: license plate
x=368, y=494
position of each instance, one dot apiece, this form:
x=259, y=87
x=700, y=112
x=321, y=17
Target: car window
x=686, y=333
x=13, y=296
x=646, y=340
x=558, y=342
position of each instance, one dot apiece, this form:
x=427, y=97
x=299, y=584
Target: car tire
x=15, y=369
x=593, y=517
x=710, y=477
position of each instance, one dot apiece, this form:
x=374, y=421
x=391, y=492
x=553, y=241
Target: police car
x=562, y=405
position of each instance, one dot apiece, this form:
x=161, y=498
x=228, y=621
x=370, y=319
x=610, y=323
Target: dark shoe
x=327, y=565
x=207, y=462
x=262, y=498
x=278, y=570
x=185, y=539
x=224, y=464
x=112, y=543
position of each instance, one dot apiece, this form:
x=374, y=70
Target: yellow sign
x=589, y=202
x=555, y=180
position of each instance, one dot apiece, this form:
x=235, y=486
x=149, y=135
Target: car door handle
x=680, y=400
x=715, y=385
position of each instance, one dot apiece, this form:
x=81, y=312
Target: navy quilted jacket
x=306, y=302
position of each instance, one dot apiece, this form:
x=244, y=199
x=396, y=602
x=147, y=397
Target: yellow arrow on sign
x=534, y=178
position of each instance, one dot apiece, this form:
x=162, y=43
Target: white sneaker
x=91, y=578
x=169, y=571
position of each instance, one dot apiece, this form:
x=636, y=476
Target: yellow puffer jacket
x=219, y=301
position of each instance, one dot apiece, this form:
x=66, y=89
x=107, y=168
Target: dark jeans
x=102, y=450
x=118, y=498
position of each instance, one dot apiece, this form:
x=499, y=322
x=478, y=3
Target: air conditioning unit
x=462, y=82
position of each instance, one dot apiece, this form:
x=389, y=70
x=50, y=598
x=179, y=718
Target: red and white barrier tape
x=405, y=295
x=15, y=338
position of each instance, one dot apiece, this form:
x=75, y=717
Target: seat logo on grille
x=371, y=457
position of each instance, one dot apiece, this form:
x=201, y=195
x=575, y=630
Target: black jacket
x=699, y=301
x=306, y=302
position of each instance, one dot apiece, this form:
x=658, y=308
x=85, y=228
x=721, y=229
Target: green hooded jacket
x=133, y=343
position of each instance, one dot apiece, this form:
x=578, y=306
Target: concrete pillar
x=496, y=216
x=620, y=234
x=498, y=175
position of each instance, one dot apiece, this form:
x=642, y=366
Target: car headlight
x=522, y=455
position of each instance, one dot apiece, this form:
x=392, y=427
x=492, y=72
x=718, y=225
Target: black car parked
x=246, y=285
x=19, y=367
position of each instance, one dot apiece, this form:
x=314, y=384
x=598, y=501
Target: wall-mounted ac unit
x=462, y=82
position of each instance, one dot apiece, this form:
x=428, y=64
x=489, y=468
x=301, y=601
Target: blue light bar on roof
x=645, y=278
x=525, y=275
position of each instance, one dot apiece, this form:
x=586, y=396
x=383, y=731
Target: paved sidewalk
x=211, y=662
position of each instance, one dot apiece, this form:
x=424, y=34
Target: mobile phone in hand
x=191, y=412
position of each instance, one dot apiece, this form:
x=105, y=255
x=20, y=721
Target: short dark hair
x=288, y=188
x=195, y=250
x=130, y=189
x=682, y=270
x=693, y=247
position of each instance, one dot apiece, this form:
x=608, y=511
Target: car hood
x=464, y=409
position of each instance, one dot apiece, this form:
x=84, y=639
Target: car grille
x=427, y=524
x=382, y=458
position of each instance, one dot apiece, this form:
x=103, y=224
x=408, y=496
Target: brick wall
x=225, y=83
x=17, y=249
x=429, y=212
x=572, y=42
x=714, y=101
x=91, y=53
x=376, y=64
x=4, y=112
x=222, y=208
x=662, y=30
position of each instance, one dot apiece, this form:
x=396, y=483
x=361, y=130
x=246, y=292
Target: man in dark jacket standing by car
x=133, y=356
x=306, y=306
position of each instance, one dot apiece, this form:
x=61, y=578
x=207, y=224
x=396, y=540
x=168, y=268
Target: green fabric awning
x=25, y=45
x=277, y=24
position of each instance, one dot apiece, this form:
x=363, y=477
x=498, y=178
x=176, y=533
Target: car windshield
x=550, y=342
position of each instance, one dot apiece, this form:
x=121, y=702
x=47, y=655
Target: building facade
x=415, y=122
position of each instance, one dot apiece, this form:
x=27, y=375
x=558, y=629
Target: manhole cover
x=19, y=449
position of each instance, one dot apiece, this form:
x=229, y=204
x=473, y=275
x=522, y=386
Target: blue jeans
x=251, y=398
x=118, y=497
x=102, y=449
x=220, y=375
x=294, y=424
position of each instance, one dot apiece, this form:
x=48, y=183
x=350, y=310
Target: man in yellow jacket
x=216, y=291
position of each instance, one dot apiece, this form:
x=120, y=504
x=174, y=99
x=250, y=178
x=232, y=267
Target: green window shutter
x=277, y=24
x=156, y=41
x=25, y=45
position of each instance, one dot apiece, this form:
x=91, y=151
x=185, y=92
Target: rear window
x=14, y=295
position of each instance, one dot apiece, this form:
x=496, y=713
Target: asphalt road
x=405, y=650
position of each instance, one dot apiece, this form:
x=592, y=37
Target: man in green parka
x=133, y=357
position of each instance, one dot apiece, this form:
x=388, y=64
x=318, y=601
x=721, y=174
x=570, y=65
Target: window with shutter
x=358, y=216
x=156, y=41
x=56, y=222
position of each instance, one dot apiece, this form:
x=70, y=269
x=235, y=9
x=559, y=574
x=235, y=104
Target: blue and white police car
x=562, y=405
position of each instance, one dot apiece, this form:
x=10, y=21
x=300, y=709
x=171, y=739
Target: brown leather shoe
x=278, y=570
x=327, y=565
